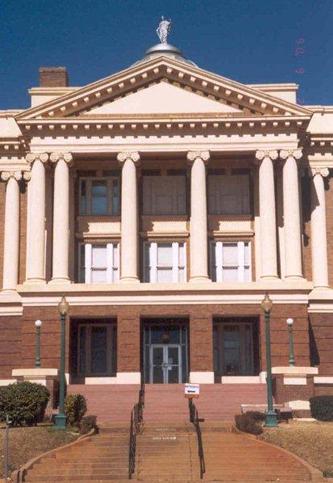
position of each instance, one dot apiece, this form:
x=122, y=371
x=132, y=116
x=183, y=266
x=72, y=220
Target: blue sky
x=251, y=41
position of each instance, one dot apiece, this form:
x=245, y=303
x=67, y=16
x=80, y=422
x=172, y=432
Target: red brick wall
x=10, y=345
x=128, y=332
x=321, y=330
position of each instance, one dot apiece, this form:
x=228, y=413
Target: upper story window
x=229, y=194
x=164, y=262
x=164, y=195
x=99, y=263
x=100, y=196
x=231, y=261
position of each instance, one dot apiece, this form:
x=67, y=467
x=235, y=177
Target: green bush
x=24, y=403
x=250, y=422
x=87, y=424
x=322, y=408
x=75, y=409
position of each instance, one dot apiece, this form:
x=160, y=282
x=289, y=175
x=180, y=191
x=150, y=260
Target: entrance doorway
x=235, y=347
x=165, y=354
x=165, y=363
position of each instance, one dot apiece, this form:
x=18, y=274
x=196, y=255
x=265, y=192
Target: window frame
x=150, y=261
x=216, y=270
x=111, y=269
x=111, y=348
x=111, y=192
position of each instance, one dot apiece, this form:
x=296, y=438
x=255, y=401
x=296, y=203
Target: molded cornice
x=189, y=77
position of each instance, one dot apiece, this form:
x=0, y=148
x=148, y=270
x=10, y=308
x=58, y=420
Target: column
x=129, y=217
x=12, y=230
x=267, y=214
x=36, y=218
x=318, y=229
x=60, y=255
x=198, y=222
x=291, y=214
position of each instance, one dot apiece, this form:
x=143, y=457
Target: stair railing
x=195, y=420
x=136, y=425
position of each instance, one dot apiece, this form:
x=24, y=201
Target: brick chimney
x=53, y=77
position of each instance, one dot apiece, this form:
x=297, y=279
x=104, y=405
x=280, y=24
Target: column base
x=34, y=281
x=295, y=278
x=200, y=279
x=269, y=277
x=9, y=296
x=129, y=280
x=59, y=281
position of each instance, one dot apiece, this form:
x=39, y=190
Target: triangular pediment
x=169, y=82
x=161, y=98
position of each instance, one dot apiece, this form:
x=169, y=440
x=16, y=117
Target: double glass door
x=165, y=363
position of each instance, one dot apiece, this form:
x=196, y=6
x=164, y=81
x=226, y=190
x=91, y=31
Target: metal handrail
x=135, y=429
x=195, y=420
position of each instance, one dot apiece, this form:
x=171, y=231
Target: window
x=164, y=195
x=99, y=196
x=99, y=263
x=164, y=262
x=231, y=261
x=96, y=349
x=229, y=195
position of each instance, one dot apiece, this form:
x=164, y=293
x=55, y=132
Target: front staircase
x=167, y=443
x=166, y=402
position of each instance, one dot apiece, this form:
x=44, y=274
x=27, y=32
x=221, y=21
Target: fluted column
x=36, y=218
x=129, y=217
x=267, y=214
x=291, y=214
x=318, y=229
x=12, y=230
x=60, y=217
x=198, y=223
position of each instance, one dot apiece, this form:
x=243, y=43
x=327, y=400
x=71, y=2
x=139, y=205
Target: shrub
x=250, y=422
x=75, y=409
x=24, y=403
x=322, y=408
x=87, y=424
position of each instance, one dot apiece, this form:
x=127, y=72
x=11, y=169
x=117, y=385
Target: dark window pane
x=99, y=198
x=98, y=350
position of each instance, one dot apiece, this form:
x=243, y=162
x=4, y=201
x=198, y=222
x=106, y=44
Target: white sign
x=192, y=390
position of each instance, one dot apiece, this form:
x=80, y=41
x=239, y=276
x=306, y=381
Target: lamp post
x=60, y=419
x=271, y=418
x=290, y=323
x=38, y=325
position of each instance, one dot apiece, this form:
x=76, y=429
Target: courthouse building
x=163, y=201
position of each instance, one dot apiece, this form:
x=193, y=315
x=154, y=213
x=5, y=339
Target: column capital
x=131, y=155
x=5, y=175
x=269, y=153
x=67, y=157
x=324, y=172
x=203, y=155
x=32, y=157
x=291, y=153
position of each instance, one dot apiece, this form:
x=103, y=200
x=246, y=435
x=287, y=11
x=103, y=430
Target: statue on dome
x=163, y=30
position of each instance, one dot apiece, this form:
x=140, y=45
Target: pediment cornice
x=249, y=100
